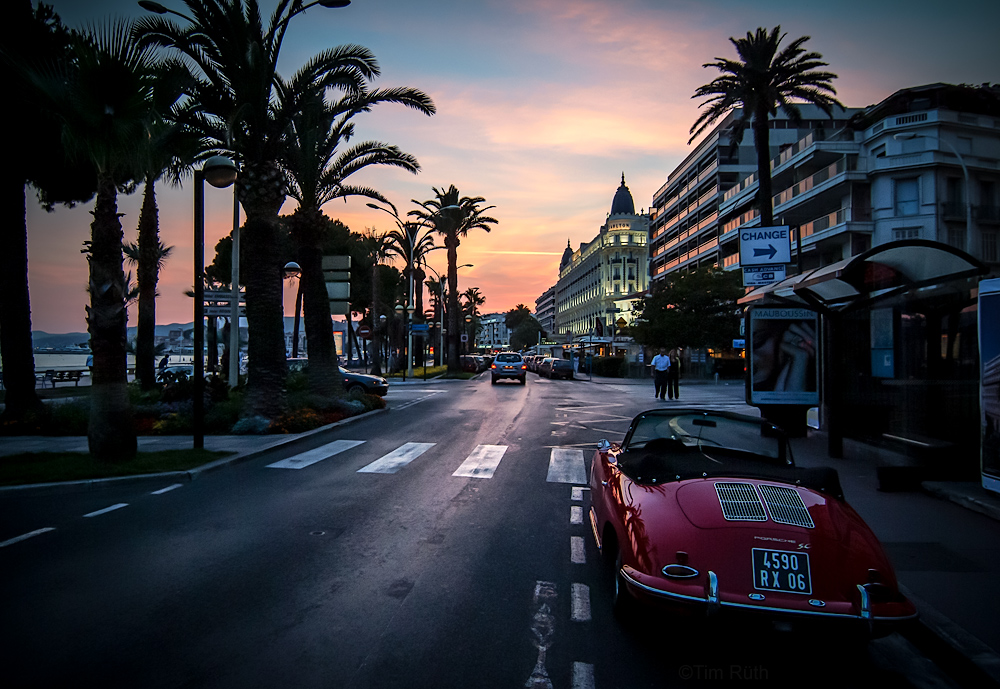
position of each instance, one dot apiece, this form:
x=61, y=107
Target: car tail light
x=524, y=366
x=493, y=365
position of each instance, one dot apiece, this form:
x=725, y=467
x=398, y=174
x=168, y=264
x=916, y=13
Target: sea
x=74, y=361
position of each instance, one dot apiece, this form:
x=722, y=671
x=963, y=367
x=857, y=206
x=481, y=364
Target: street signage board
x=223, y=311
x=739, y=344
x=336, y=263
x=219, y=295
x=339, y=307
x=758, y=276
x=765, y=245
x=419, y=328
x=338, y=291
x=783, y=356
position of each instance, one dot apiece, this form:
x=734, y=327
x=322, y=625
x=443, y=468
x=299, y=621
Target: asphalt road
x=431, y=546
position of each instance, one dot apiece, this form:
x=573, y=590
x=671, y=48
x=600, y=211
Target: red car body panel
x=682, y=523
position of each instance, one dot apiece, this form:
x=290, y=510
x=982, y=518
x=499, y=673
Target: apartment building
x=610, y=267
x=493, y=332
x=545, y=310
x=924, y=163
x=684, y=220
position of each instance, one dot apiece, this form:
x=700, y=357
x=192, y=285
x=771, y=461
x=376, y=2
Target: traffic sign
x=223, y=311
x=765, y=245
x=758, y=276
x=364, y=331
x=419, y=328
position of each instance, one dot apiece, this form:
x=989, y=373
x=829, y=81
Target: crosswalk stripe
x=483, y=461
x=566, y=466
x=304, y=459
x=397, y=459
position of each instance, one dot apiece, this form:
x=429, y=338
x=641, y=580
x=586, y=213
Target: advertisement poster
x=989, y=381
x=784, y=356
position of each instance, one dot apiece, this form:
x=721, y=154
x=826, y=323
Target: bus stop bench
x=62, y=377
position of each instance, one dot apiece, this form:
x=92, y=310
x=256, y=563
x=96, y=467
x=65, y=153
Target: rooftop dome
x=623, y=203
x=567, y=256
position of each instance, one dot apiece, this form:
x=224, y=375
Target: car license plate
x=781, y=570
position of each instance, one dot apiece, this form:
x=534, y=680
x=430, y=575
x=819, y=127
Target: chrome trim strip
x=866, y=608
x=713, y=592
x=593, y=527
x=726, y=604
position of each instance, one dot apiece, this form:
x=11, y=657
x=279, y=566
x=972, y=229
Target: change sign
x=765, y=246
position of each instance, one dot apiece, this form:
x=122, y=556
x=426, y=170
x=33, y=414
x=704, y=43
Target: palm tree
x=317, y=170
x=473, y=300
x=760, y=82
x=378, y=245
x=410, y=245
x=242, y=106
x=30, y=40
x=105, y=107
x=454, y=217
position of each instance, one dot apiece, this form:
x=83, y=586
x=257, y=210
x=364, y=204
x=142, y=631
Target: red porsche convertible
x=705, y=511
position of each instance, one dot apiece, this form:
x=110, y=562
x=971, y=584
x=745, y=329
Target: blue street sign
x=419, y=328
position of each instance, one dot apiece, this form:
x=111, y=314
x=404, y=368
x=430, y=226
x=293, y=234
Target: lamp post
x=220, y=173
x=440, y=355
x=234, y=305
x=969, y=230
x=292, y=270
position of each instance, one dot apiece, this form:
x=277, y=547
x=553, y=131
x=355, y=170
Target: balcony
x=814, y=180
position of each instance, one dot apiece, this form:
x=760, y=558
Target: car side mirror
x=603, y=445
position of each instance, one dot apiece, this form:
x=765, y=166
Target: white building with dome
x=612, y=267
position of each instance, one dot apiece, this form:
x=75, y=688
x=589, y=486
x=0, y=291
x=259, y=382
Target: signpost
x=763, y=253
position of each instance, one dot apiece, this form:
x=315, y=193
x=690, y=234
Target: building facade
x=493, y=332
x=610, y=267
x=685, y=227
x=545, y=310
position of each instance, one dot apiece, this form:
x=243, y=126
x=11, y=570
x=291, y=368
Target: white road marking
x=397, y=459
x=430, y=393
x=483, y=461
x=310, y=457
x=580, y=603
x=583, y=676
x=566, y=466
x=575, y=514
x=576, y=553
x=167, y=489
x=107, y=509
x=577, y=495
x=543, y=628
x=24, y=537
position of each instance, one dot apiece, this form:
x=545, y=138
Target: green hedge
x=610, y=366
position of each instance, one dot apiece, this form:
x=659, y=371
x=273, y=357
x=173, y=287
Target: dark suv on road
x=508, y=365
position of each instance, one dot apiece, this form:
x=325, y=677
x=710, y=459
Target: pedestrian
x=661, y=365
x=674, y=375
x=163, y=364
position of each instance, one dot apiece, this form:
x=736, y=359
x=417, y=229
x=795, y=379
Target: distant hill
x=42, y=340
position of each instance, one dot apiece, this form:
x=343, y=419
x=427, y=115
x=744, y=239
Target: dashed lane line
x=167, y=489
x=577, y=555
x=98, y=513
x=580, y=603
x=24, y=537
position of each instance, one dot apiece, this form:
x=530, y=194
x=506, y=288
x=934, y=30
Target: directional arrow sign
x=765, y=245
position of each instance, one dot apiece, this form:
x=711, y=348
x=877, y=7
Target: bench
x=62, y=377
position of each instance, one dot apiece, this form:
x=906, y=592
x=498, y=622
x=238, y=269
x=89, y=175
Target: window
x=906, y=196
x=990, y=254
x=906, y=233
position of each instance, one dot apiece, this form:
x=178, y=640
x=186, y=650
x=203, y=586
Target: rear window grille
x=740, y=502
x=786, y=506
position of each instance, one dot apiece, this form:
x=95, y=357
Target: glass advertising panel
x=784, y=356
x=989, y=381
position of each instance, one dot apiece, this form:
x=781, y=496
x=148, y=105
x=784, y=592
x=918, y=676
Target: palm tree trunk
x=111, y=433
x=147, y=275
x=451, y=243
x=15, y=305
x=261, y=192
x=324, y=378
x=761, y=142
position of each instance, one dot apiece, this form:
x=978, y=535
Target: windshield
x=673, y=444
x=508, y=357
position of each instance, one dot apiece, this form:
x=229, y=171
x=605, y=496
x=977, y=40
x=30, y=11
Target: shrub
x=297, y=421
x=69, y=417
x=610, y=366
x=251, y=425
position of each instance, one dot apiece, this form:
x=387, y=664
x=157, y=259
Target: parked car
x=469, y=363
x=561, y=368
x=705, y=511
x=508, y=366
x=373, y=385
x=545, y=365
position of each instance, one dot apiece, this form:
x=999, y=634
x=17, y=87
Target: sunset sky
x=542, y=105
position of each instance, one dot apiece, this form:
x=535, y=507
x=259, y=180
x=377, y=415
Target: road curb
x=955, y=650
x=960, y=494
x=188, y=475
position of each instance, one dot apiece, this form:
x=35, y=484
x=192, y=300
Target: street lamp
x=969, y=242
x=220, y=172
x=292, y=270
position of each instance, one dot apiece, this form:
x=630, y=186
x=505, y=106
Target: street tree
x=243, y=107
x=453, y=216
x=33, y=42
x=318, y=168
x=759, y=82
x=105, y=104
x=691, y=309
